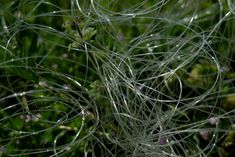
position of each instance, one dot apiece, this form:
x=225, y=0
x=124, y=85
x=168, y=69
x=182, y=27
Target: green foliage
x=117, y=78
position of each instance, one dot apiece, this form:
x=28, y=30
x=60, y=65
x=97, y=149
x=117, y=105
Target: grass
x=113, y=78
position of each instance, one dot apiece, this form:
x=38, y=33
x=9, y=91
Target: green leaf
x=17, y=67
x=17, y=123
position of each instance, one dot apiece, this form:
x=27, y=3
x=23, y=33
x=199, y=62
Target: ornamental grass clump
x=112, y=78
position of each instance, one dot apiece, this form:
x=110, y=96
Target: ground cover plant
x=134, y=78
